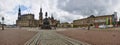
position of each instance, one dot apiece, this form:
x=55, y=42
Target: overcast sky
x=63, y=10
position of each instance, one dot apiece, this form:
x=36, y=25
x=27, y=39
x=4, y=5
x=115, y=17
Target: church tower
x=40, y=17
x=41, y=14
x=19, y=13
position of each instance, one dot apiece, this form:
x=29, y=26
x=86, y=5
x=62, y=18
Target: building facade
x=28, y=20
x=95, y=21
x=65, y=25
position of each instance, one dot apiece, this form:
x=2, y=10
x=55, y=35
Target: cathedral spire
x=40, y=9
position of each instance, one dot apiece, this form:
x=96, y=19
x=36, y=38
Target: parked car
x=109, y=26
x=103, y=26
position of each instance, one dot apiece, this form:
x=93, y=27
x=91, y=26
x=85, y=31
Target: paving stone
x=50, y=37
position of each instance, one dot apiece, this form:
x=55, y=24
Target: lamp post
x=29, y=21
x=88, y=24
x=2, y=23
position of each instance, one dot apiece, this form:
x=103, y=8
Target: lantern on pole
x=2, y=23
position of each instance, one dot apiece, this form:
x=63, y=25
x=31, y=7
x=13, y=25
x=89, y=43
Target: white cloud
x=63, y=10
x=90, y=7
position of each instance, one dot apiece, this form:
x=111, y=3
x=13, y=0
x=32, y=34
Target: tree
x=119, y=22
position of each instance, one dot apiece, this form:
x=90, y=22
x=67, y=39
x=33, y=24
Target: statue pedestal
x=45, y=27
x=46, y=24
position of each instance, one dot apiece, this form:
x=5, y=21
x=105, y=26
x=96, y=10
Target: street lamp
x=88, y=24
x=29, y=20
x=2, y=23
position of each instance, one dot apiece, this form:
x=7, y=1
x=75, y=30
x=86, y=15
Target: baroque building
x=28, y=20
x=95, y=21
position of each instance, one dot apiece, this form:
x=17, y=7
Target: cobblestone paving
x=50, y=37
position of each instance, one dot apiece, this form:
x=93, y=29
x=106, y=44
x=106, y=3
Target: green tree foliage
x=119, y=22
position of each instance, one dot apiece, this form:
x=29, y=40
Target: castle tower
x=52, y=17
x=19, y=13
x=46, y=15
